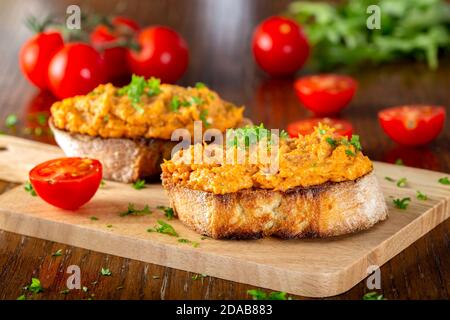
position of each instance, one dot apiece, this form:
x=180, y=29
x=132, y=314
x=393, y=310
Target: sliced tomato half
x=412, y=125
x=67, y=183
x=306, y=126
x=325, y=94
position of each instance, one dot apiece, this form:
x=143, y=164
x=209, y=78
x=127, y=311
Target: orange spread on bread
x=303, y=162
x=107, y=113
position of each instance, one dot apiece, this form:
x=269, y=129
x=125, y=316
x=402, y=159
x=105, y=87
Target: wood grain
x=221, y=57
x=316, y=268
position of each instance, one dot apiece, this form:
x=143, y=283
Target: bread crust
x=124, y=160
x=326, y=210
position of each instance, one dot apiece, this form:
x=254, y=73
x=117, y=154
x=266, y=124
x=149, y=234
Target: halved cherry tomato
x=67, y=183
x=412, y=125
x=306, y=126
x=325, y=94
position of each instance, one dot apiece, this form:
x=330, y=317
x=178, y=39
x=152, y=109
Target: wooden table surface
x=218, y=33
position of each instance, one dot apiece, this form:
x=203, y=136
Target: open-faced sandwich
x=129, y=129
x=322, y=186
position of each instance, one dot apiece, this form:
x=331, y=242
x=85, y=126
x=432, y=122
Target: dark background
x=218, y=33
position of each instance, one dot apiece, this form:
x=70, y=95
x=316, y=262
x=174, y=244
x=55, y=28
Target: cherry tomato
x=306, y=126
x=163, y=54
x=35, y=55
x=279, y=46
x=110, y=41
x=67, y=183
x=412, y=125
x=325, y=94
x=75, y=69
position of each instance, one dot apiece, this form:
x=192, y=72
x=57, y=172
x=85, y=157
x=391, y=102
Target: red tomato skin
x=425, y=131
x=68, y=195
x=76, y=69
x=322, y=102
x=279, y=46
x=345, y=130
x=120, y=21
x=164, y=54
x=35, y=56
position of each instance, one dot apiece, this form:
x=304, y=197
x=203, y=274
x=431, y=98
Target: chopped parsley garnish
x=199, y=276
x=109, y=225
x=350, y=153
x=57, y=253
x=139, y=184
x=35, y=286
x=11, y=120
x=29, y=188
x=257, y=294
x=105, y=272
x=322, y=131
x=421, y=196
x=283, y=134
x=402, y=203
x=93, y=218
x=249, y=135
x=193, y=243
x=399, y=162
x=155, y=276
x=390, y=179
x=138, y=87
x=168, y=212
x=200, y=85
x=401, y=183
x=331, y=142
x=373, y=296
x=65, y=291
x=85, y=289
x=197, y=100
x=21, y=297
x=132, y=211
x=202, y=116
x=106, y=118
x=354, y=141
x=176, y=104
x=444, y=180
x=102, y=183
x=41, y=118
x=164, y=228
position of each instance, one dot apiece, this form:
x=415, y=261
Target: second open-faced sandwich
x=322, y=185
x=129, y=129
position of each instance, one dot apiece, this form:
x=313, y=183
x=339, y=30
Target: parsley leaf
x=402, y=203
x=153, y=88
x=200, y=85
x=390, y=179
x=93, y=218
x=137, y=87
x=350, y=153
x=202, y=116
x=164, y=228
x=105, y=272
x=197, y=100
x=132, y=211
x=261, y=295
x=373, y=296
x=65, y=291
x=35, y=286
x=283, y=134
x=399, y=162
x=401, y=183
x=11, y=120
x=421, y=196
x=29, y=188
x=331, y=142
x=444, y=181
x=168, y=212
x=42, y=118
x=199, y=276
x=193, y=243
x=355, y=142
x=139, y=184
x=57, y=253
x=22, y=297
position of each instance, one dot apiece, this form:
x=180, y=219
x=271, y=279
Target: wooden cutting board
x=315, y=268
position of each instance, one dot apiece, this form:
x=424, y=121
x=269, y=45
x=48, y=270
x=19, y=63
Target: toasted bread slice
x=326, y=210
x=124, y=160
